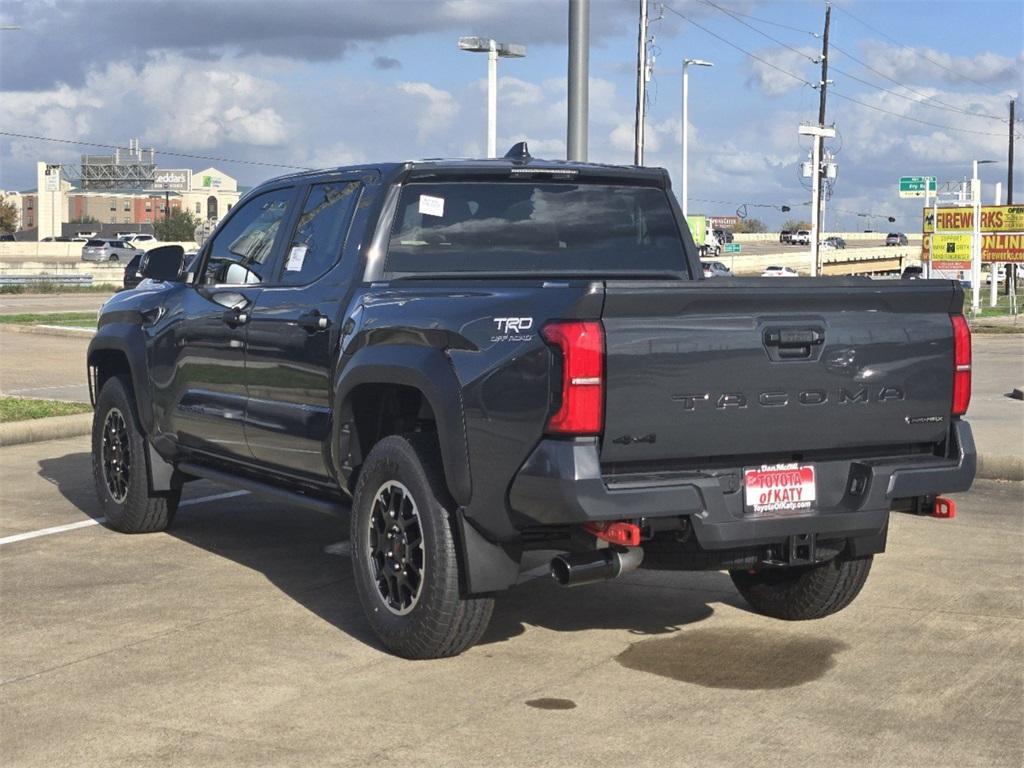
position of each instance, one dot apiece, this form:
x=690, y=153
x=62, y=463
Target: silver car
x=109, y=250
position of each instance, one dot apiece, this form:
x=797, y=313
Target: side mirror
x=163, y=263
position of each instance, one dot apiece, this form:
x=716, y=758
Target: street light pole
x=494, y=51
x=686, y=124
x=976, y=236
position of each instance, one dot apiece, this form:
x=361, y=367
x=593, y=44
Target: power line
x=731, y=44
x=912, y=119
x=922, y=102
x=775, y=24
x=775, y=40
x=904, y=45
x=161, y=152
x=799, y=79
x=924, y=96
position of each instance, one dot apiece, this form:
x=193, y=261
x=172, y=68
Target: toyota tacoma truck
x=476, y=359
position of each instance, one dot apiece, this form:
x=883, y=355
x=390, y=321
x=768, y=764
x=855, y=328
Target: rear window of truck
x=535, y=228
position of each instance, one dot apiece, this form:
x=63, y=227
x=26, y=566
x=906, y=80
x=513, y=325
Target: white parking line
x=86, y=523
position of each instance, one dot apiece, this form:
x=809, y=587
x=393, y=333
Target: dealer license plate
x=779, y=488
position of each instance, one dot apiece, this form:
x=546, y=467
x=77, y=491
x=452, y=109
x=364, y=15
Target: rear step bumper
x=561, y=483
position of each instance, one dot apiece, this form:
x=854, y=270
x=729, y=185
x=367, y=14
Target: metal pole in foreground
x=492, y=100
x=993, y=267
x=975, y=241
x=815, y=202
x=579, y=80
x=641, y=87
x=686, y=126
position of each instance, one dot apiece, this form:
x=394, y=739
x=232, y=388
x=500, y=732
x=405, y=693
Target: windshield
x=533, y=227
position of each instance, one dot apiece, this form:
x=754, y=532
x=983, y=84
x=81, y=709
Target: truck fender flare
x=127, y=340
x=426, y=369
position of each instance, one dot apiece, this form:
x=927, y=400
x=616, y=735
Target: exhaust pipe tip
x=574, y=569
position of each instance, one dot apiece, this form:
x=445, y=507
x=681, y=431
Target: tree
x=795, y=224
x=750, y=226
x=179, y=227
x=8, y=216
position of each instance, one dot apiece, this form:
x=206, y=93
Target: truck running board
x=263, y=489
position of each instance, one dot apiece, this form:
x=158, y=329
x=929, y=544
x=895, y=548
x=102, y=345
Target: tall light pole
x=686, y=123
x=494, y=51
x=976, y=236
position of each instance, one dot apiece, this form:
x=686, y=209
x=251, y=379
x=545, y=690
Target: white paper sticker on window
x=431, y=206
x=296, y=256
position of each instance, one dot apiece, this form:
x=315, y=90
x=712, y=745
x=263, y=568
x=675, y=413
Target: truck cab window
x=241, y=252
x=320, y=232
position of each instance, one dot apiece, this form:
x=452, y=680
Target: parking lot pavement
x=235, y=639
x=51, y=367
x=998, y=367
x=15, y=304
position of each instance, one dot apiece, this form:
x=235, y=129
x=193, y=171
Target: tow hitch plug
x=944, y=508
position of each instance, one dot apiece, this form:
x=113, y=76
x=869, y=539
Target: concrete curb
x=50, y=428
x=992, y=466
x=50, y=330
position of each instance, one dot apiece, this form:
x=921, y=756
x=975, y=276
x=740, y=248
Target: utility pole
x=819, y=141
x=579, y=80
x=641, y=86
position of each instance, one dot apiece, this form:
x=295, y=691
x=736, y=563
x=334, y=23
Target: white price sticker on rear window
x=296, y=257
x=431, y=206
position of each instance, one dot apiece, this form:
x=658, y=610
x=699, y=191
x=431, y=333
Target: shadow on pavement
x=286, y=544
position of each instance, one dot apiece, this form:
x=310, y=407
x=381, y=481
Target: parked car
x=913, y=272
x=786, y=236
x=715, y=269
x=489, y=357
x=833, y=242
x=7, y=238
x=896, y=238
x=775, y=271
x=802, y=237
x=135, y=239
x=1000, y=275
x=108, y=250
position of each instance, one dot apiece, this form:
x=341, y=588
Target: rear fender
x=426, y=369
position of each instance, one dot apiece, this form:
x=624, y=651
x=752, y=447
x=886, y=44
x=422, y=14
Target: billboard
x=994, y=218
x=1002, y=228
x=174, y=179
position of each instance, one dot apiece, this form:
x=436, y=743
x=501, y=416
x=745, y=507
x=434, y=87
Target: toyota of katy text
x=475, y=359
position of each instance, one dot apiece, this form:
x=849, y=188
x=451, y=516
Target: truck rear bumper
x=561, y=483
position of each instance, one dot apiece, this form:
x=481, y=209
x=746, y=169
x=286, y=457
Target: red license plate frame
x=789, y=488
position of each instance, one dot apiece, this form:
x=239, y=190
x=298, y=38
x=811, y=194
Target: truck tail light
x=961, y=365
x=582, y=407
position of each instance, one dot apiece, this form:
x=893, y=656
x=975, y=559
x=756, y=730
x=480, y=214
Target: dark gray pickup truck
x=482, y=358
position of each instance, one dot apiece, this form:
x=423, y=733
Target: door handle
x=235, y=317
x=792, y=343
x=313, y=321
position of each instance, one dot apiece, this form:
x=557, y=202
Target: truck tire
x=804, y=592
x=119, y=466
x=404, y=554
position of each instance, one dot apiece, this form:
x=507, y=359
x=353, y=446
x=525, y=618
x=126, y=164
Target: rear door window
x=534, y=228
x=320, y=232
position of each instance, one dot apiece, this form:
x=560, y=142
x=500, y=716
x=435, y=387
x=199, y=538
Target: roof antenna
x=519, y=152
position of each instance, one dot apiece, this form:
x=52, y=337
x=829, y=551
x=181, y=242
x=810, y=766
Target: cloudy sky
x=919, y=88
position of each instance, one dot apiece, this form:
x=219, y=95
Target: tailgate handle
x=793, y=343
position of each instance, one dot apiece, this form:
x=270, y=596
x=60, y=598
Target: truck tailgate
x=748, y=367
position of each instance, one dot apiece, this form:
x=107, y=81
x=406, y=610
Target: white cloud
x=910, y=64
x=771, y=77
x=441, y=108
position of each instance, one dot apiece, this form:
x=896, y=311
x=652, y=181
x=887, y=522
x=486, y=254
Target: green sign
x=732, y=247
x=914, y=186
